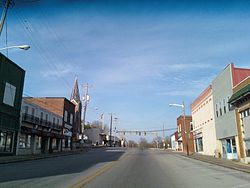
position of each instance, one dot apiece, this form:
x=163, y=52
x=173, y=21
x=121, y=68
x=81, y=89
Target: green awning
x=239, y=94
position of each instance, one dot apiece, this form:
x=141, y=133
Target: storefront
x=198, y=139
x=6, y=140
x=41, y=130
x=229, y=150
x=11, y=89
x=241, y=101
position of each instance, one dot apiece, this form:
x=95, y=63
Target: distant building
x=173, y=141
x=241, y=101
x=65, y=109
x=76, y=100
x=202, y=110
x=115, y=141
x=95, y=135
x=185, y=136
x=225, y=115
x=41, y=130
x=11, y=90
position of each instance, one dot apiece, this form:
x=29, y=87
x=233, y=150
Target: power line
x=145, y=131
x=46, y=57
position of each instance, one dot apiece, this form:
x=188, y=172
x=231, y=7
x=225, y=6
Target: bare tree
x=132, y=144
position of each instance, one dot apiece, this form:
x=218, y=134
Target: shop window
x=248, y=148
x=6, y=141
x=63, y=143
x=234, y=146
x=229, y=149
x=200, y=143
x=9, y=94
x=38, y=141
x=24, y=141
x=54, y=144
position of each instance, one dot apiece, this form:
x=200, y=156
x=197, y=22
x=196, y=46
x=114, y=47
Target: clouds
x=138, y=57
x=61, y=70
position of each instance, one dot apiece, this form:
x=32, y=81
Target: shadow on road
x=57, y=166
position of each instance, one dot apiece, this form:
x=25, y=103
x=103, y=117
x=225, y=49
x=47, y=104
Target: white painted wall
x=204, y=124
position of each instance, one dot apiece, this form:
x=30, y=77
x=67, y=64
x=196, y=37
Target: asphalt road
x=120, y=168
x=60, y=172
x=154, y=168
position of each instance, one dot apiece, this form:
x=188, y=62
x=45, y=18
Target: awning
x=240, y=94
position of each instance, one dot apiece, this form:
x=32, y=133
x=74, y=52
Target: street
x=117, y=167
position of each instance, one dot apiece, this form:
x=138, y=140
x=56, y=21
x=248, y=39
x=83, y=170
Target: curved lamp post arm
x=22, y=47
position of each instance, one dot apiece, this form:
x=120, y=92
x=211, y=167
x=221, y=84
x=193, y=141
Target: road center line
x=97, y=173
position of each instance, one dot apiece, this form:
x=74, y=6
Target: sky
x=137, y=56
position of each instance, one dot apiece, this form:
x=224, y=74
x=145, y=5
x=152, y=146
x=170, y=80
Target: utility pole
x=5, y=10
x=85, y=103
x=110, y=129
x=163, y=136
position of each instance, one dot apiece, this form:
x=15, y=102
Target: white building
x=41, y=130
x=174, y=143
x=204, y=132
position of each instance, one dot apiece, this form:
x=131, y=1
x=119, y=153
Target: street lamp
x=22, y=47
x=184, y=121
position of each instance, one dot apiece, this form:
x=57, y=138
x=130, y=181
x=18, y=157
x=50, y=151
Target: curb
x=217, y=163
x=41, y=157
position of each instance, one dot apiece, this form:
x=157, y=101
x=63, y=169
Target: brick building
x=41, y=130
x=185, y=136
x=64, y=108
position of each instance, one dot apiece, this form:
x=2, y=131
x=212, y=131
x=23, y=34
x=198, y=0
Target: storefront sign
x=66, y=132
x=67, y=126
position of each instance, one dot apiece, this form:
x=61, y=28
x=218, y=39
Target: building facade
x=41, y=130
x=65, y=109
x=185, y=135
x=202, y=110
x=11, y=90
x=225, y=116
x=241, y=101
x=95, y=135
x=173, y=141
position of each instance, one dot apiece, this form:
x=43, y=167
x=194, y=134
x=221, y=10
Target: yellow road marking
x=100, y=171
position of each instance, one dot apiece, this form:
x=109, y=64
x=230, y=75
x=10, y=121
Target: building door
x=224, y=149
x=43, y=144
x=229, y=148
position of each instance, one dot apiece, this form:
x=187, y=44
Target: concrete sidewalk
x=218, y=161
x=21, y=158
